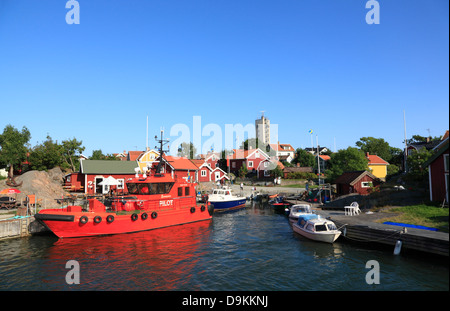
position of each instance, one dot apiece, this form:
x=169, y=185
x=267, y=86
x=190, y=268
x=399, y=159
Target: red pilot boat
x=154, y=201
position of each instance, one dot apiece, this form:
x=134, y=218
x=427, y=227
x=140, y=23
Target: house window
x=250, y=163
x=366, y=184
x=266, y=173
x=266, y=164
x=446, y=162
x=203, y=173
x=122, y=182
x=257, y=154
x=233, y=164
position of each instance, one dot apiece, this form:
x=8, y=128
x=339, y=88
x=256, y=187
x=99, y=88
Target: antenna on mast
x=161, y=142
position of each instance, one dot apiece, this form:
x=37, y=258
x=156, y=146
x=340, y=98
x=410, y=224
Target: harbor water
x=253, y=249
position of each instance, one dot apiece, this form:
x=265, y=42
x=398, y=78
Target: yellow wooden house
x=147, y=158
x=377, y=166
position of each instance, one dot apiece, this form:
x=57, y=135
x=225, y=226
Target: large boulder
x=47, y=186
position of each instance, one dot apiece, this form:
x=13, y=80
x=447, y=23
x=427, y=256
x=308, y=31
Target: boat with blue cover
x=316, y=228
x=223, y=200
x=298, y=210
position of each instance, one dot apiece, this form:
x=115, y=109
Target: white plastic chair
x=356, y=209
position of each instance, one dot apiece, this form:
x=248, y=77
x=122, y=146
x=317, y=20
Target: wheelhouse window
x=331, y=227
x=180, y=191
x=321, y=228
x=132, y=189
x=186, y=191
x=149, y=188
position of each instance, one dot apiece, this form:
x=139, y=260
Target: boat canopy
x=304, y=218
x=301, y=208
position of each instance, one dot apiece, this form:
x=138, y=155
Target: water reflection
x=163, y=259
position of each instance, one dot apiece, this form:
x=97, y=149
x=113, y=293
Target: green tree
x=350, y=159
x=243, y=170
x=46, y=155
x=376, y=146
x=13, y=149
x=98, y=155
x=304, y=158
x=420, y=139
x=277, y=172
x=71, y=149
x=415, y=161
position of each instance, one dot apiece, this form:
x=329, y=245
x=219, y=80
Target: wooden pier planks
x=415, y=239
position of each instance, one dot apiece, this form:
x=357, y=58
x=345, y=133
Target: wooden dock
x=363, y=228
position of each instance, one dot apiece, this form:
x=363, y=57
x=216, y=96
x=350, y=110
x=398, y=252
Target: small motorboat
x=316, y=228
x=223, y=200
x=299, y=210
x=279, y=205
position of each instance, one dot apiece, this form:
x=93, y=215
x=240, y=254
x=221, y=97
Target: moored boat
x=155, y=201
x=223, y=200
x=316, y=228
x=299, y=210
x=279, y=204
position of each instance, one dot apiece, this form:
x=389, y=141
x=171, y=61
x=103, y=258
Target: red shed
x=438, y=173
x=356, y=182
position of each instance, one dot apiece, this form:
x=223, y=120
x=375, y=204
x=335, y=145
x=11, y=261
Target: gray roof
x=107, y=167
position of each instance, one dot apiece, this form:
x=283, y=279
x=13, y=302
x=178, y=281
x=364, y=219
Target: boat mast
x=161, y=142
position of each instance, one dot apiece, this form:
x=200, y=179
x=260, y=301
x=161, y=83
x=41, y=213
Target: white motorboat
x=299, y=210
x=314, y=227
x=223, y=200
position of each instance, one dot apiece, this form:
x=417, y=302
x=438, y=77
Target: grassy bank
x=422, y=215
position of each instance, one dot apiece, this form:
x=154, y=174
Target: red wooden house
x=356, y=182
x=256, y=161
x=92, y=172
x=438, y=173
x=209, y=170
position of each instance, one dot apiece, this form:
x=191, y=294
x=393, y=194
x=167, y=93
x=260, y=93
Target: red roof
x=239, y=154
x=181, y=163
x=374, y=159
x=325, y=157
x=134, y=155
x=198, y=163
x=281, y=147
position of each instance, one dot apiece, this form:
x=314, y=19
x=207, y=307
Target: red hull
x=60, y=223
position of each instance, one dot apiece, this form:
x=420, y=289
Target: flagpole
x=406, y=145
x=318, y=167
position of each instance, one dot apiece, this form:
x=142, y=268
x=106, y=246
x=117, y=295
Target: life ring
x=192, y=209
x=97, y=219
x=144, y=216
x=154, y=215
x=109, y=218
x=140, y=203
x=202, y=208
x=134, y=216
x=83, y=219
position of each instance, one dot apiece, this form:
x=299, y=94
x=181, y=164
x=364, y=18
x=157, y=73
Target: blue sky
x=308, y=64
